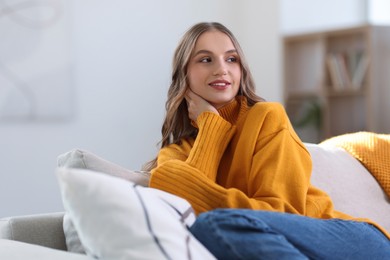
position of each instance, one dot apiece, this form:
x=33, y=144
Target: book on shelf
x=347, y=70
x=339, y=75
x=335, y=79
x=360, y=71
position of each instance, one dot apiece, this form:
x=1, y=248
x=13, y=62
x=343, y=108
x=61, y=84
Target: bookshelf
x=337, y=81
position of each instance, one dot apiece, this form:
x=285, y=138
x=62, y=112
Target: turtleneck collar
x=232, y=111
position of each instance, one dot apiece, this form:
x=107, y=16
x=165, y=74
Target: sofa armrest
x=40, y=229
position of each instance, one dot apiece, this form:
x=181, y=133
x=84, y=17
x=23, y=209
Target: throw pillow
x=78, y=158
x=117, y=219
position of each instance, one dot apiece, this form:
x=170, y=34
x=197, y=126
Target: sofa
x=46, y=236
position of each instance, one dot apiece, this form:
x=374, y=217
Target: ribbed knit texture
x=371, y=149
x=208, y=126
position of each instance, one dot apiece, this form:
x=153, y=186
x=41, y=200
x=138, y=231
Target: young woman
x=238, y=161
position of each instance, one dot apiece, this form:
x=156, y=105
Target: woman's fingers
x=196, y=105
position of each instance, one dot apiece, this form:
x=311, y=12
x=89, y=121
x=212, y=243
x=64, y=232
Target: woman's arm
x=204, y=153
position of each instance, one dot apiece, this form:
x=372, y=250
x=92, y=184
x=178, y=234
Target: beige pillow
x=83, y=159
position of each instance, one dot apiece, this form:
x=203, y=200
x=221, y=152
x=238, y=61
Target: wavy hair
x=177, y=124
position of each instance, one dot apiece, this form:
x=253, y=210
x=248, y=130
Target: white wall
x=121, y=51
x=310, y=15
x=378, y=12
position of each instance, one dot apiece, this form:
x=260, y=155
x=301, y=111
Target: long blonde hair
x=177, y=124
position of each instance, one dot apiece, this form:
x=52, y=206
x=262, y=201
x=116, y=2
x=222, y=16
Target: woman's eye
x=232, y=59
x=205, y=60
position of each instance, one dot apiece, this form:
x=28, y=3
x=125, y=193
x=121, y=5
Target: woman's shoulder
x=268, y=108
x=270, y=115
x=272, y=118
x=268, y=104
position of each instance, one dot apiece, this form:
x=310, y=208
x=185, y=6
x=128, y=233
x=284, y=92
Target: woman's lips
x=219, y=84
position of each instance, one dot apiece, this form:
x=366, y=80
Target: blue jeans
x=254, y=234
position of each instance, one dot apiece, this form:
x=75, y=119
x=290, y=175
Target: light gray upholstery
x=15, y=250
x=41, y=229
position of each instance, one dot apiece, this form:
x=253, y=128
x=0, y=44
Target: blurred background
x=93, y=74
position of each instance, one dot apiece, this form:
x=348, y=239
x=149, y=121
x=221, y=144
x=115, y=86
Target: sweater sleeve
x=203, y=154
x=214, y=135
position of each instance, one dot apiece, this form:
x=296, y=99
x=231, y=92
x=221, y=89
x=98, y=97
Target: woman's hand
x=197, y=105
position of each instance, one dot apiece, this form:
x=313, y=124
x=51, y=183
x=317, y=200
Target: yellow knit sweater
x=246, y=157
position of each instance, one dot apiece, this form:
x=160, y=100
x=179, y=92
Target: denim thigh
x=255, y=234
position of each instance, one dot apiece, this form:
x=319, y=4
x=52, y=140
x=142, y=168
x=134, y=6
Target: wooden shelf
x=302, y=94
x=345, y=93
x=344, y=74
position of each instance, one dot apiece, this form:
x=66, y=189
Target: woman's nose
x=220, y=68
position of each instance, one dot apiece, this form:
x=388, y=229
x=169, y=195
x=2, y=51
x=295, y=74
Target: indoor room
x=94, y=75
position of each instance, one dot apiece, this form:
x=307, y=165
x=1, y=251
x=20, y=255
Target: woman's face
x=214, y=70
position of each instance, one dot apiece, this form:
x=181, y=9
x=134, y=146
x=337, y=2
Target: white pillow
x=82, y=159
x=117, y=219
